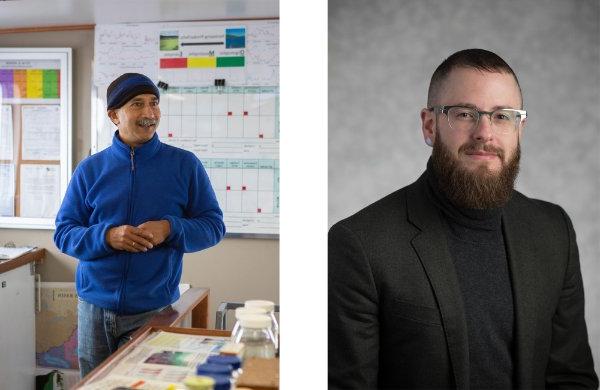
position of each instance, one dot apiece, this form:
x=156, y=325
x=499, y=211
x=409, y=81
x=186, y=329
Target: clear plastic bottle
x=257, y=336
x=270, y=308
x=240, y=311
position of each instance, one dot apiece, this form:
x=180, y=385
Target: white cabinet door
x=17, y=329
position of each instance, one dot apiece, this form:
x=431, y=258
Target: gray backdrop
x=381, y=57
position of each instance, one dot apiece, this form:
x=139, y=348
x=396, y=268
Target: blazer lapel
x=432, y=249
x=521, y=261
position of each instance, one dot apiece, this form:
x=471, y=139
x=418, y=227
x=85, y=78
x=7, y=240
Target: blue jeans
x=101, y=332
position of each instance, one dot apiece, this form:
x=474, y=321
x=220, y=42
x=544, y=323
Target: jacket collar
x=142, y=152
x=431, y=247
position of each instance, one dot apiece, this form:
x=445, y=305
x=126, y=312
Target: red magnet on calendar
x=228, y=188
x=229, y=113
x=260, y=135
x=170, y=135
x=246, y=113
x=243, y=188
x=258, y=210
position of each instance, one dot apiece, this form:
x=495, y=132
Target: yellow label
x=202, y=62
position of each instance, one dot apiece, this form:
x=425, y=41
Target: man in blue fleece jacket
x=129, y=214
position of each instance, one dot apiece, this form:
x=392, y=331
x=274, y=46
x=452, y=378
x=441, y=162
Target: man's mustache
x=145, y=122
x=479, y=147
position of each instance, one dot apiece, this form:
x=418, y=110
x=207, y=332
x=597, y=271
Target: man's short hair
x=480, y=59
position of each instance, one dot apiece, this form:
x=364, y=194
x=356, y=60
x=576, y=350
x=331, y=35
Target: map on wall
x=56, y=326
x=233, y=128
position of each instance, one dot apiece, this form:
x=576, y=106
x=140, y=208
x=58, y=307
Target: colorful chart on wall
x=35, y=135
x=232, y=129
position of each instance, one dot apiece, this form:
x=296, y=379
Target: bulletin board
x=232, y=128
x=35, y=135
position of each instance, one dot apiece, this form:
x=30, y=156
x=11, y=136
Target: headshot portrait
x=464, y=189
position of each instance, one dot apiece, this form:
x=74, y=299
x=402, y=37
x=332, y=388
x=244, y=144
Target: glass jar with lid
x=257, y=336
x=270, y=309
x=239, y=312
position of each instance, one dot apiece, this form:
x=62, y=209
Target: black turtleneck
x=476, y=244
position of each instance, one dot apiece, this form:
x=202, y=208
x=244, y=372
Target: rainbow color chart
x=30, y=83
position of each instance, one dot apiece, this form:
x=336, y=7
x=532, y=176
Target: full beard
x=474, y=189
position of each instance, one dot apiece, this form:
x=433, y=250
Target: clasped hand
x=138, y=239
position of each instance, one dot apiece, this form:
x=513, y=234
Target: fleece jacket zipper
x=129, y=221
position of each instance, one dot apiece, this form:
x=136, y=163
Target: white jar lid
x=248, y=310
x=255, y=321
x=267, y=305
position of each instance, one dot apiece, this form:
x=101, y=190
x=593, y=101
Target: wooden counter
x=259, y=374
x=194, y=301
x=109, y=364
x=36, y=255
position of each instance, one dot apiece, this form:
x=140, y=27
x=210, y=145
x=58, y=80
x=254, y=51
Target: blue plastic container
x=233, y=361
x=221, y=382
x=211, y=369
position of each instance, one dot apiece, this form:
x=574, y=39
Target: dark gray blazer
x=396, y=316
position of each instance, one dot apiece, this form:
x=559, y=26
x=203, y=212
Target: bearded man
x=458, y=280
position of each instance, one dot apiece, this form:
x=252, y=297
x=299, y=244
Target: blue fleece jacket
x=125, y=186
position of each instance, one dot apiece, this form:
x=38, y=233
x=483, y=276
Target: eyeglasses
x=504, y=120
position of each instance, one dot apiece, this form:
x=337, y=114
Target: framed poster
x=35, y=135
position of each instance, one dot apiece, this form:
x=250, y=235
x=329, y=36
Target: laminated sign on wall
x=35, y=135
x=219, y=100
